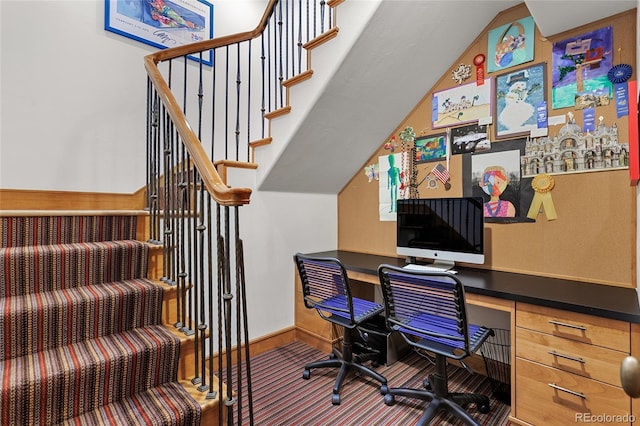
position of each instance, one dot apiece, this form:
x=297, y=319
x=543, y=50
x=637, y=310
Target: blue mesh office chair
x=326, y=289
x=428, y=309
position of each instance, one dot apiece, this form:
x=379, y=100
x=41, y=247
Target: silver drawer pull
x=569, y=391
x=569, y=357
x=564, y=324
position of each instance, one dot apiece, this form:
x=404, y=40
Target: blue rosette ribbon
x=618, y=75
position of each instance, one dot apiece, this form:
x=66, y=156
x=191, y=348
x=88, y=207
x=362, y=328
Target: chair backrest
x=428, y=308
x=325, y=286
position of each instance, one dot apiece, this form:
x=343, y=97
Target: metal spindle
x=213, y=105
x=280, y=64
x=238, y=92
x=226, y=105
x=202, y=326
x=249, y=103
x=210, y=290
x=299, y=36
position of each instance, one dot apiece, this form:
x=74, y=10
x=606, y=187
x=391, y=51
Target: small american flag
x=441, y=173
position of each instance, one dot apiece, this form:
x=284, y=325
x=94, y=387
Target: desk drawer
x=573, y=398
x=586, y=360
x=570, y=325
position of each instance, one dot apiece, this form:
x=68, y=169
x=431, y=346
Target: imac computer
x=444, y=230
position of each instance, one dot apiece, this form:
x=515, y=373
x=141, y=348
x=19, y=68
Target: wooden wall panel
x=593, y=238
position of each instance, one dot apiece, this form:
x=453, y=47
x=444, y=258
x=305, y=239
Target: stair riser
x=52, y=319
x=53, y=385
x=29, y=270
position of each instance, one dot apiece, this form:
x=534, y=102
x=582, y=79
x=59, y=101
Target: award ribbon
x=618, y=75
x=542, y=184
x=478, y=61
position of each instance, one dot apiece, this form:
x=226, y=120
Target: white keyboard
x=427, y=268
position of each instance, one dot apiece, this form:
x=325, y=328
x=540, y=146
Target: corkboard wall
x=593, y=238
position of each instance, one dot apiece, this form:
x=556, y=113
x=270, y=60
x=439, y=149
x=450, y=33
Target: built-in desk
x=568, y=338
x=576, y=296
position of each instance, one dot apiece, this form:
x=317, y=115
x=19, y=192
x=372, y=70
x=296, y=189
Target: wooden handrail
x=212, y=181
x=222, y=194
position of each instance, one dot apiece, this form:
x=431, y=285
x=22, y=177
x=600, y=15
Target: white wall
x=73, y=94
x=72, y=117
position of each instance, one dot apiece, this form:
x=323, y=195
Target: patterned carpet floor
x=282, y=398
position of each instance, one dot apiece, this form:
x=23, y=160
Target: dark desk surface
x=577, y=296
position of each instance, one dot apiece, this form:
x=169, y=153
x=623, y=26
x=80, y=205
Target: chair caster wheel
x=384, y=389
x=375, y=364
x=389, y=399
x=335, y=399
x=426, y=384
x=306, y=374
x=332, y=356
x=484, y=408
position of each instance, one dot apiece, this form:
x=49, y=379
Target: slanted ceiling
x=406, y=47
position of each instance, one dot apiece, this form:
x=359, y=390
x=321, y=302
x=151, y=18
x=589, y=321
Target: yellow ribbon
x=542, y=184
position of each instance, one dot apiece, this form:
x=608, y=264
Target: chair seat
x=439, y=325
x=362, y=309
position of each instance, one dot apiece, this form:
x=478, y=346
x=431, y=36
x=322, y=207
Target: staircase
x=108, y=317
x=81, y=324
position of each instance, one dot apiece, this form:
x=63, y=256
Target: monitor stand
x=442, y=265
x=445, y=265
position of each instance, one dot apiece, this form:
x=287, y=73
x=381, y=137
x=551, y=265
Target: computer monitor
x=444, y=230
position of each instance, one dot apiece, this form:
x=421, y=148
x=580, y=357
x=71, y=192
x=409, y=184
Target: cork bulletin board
x=592, y=239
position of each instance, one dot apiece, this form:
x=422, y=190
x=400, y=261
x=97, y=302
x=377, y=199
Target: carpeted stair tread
x=167, y=404
x=32, y=269
x=61, y=317
x=50, y=386
x=47, y=230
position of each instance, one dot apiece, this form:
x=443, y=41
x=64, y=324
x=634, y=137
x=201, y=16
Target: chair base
x=345, y=366
x=451, y=403
x=440, y=398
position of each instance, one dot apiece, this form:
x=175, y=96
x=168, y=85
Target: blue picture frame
x=162, y=23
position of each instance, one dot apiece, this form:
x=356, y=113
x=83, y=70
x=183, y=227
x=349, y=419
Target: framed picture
x=471, y=138
x=521, y=101
x=162, y=23
x=430, y=148
x=511, y=44
x=461, y=104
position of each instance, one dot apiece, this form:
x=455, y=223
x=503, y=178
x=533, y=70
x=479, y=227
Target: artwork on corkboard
x=430, y=148
x=470, y=138
x=495, y=176
x=461, y=104
x=511, y=44
x=580, y=64
x=392, y=183
x=521, y=101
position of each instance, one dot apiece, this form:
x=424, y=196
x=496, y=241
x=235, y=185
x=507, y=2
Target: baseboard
x=261, y=345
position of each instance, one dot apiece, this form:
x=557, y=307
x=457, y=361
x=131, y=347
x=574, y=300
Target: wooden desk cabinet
x=567, y=367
